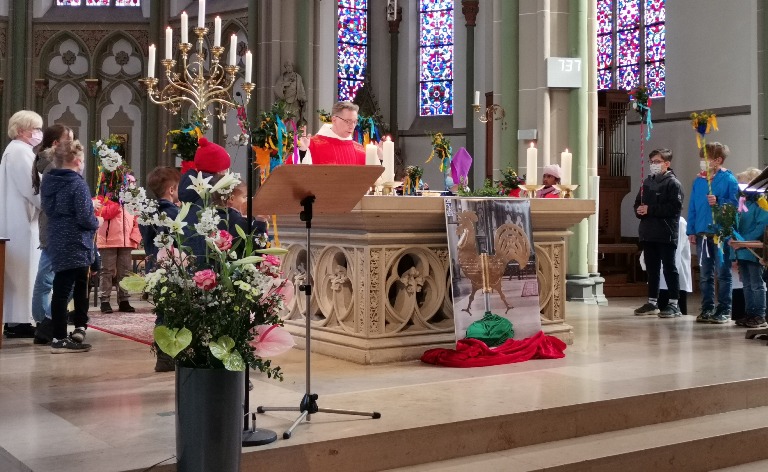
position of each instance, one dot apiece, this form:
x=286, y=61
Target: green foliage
x=265, y=133
x=488, y=190
x=724, y=220
x=510, y=181
x=184, y=140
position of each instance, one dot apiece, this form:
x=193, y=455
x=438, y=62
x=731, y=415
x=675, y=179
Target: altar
x=362, y=309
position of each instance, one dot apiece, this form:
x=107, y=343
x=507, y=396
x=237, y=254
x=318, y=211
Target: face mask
x=703, y=164
x=37, y=138
x=656, y=169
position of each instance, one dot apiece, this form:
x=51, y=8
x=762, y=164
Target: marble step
x=735, y=440
x=378, y=449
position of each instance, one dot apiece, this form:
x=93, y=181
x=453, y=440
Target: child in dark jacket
x=72, y=226
x=231, y=209
x=164, y=183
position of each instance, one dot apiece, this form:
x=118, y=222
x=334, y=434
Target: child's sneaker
x=705, y=316
x=670, y=311
x=67, y=346
x=756, y=322
x=78, y=335
x=647, y=309
x=721, y=316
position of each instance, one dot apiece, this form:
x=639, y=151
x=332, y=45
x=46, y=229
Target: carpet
x=134, y=326
x=530, y=288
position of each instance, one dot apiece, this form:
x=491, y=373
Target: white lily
x=227, y=183
x=200, y=184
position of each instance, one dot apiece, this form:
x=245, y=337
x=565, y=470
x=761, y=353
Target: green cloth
x=493, y=330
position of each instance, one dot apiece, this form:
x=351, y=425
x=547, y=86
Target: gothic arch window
x=352, y=51
x=435, y=57
x=631, y=46
x=98, y=3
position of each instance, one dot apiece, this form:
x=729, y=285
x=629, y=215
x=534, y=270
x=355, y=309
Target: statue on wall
x=290, y=88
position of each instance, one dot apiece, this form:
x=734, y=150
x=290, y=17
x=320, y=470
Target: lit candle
x=566, y=158
x=184, y=27
x=371, y=156
x=248, y=63
x=201, y=14
x=168, y=43
x=477, y=98
x=389, y=160
x=533, y=157
x=233, y=50
x=151, y=61
x=217, y=31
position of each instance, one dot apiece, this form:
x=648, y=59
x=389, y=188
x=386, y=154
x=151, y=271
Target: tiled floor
x=108, y=411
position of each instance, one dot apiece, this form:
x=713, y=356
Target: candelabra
x=494, y=111
x=193, y=84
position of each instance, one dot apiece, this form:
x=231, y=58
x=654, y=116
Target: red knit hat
x=210, y=157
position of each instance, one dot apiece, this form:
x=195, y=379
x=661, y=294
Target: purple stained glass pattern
x=604, y=79
x=68, y=3
x=97, y=3
x=604, y=51
x=436, y=63
x=436, y=28
x=360, y=4
x=654, y=12
x=628, y=14
x=604, y=16
x=352, y=61
x=628, y=43
x=353, y=26
x=348, y=89
x=431, y=5
x=655, y=44
x=628, y=77
x=655, y=79
x=436, y=98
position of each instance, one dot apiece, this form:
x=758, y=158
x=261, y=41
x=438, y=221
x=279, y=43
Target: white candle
x=566, y=159
x=389, y=160
x=477, y=98
x=151, y=61
x=371, y=156
x=217, y=31
x=201, y=14
x=184, y=27
x=233, y=50
x=168, y=43
x=531, y=177
x=248, y=63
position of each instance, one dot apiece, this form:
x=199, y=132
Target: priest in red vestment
x=333, y=144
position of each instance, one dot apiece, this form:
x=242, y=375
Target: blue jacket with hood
x=724, y=186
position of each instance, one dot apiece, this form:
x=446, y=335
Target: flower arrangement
x=272, y=140
x=488, y=190
x=114, y=173
x=441, y=147
x=184, y=140
x=703, y=123
x=510, y=183
x=640, y=100
x=723, y=221
x=413, y=176
x=222, y=313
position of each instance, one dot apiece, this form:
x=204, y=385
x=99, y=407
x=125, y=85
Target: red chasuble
x=327, y=150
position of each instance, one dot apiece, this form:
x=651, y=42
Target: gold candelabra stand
x=192, y=85
x=494, y=111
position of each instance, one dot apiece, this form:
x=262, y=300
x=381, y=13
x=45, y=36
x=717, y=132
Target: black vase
x=209, y=419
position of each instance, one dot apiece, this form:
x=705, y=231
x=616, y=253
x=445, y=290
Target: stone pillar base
x=578, y=288
x=597, y=289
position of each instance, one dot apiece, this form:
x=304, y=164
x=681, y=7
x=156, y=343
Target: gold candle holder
x=388, y=188
x=530, y=190
x=566, y=191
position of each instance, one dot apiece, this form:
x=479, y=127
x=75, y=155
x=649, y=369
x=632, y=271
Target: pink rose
x=271, y=260
x=205, y=279
x=223, y=240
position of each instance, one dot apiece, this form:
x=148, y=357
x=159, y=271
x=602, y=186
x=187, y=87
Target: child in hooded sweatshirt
x=72, y=226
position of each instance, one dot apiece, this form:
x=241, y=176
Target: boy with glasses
x=333, y=144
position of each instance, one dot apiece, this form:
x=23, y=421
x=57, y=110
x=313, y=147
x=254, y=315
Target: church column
x=92, y=89
x=258, y=56
x=578, y=284
x=510, y=82
x=762, y=48
x=153, y=143
x=543, y=123
x=19, y=54
x=394, y=43
x=305, y=52
x=470, y=8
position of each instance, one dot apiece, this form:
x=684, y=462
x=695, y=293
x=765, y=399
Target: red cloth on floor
x=475, y=353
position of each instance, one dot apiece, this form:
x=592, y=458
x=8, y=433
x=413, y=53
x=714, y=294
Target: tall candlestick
x=233, y=50
x=168, y=43
x=371, y=155
x=248, y=63
x=151, y=61
x=566, y=159
x=201, y=14
x=184, y=27
x=477, y=98
x=217, y=31
x=389, y=160
x=532, y=166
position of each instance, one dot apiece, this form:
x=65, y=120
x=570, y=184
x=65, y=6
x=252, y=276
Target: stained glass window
x=98, y=3
x=631, y=45
x=436, y=57
x=352, y=56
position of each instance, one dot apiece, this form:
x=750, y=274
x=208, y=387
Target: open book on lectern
x=336, y=188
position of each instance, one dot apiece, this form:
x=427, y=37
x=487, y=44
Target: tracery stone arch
x=63, y=57
x=67, y=104
x=118, y=56
x=120, y=111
